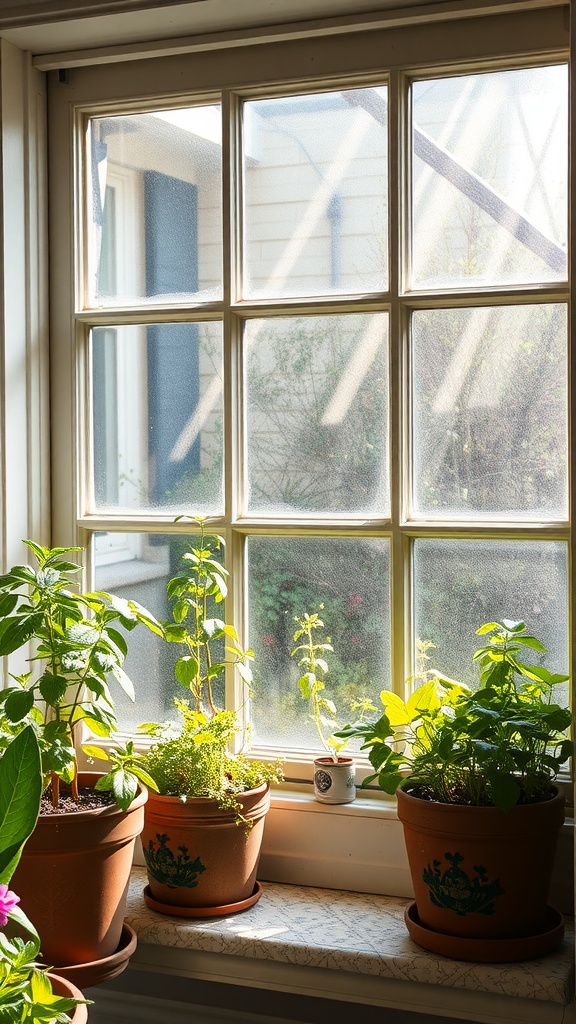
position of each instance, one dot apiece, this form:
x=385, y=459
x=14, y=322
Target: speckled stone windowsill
x=347, y=932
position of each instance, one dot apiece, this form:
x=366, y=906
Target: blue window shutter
x=171, y=237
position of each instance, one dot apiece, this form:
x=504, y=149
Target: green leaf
x=531, y=641
x=307, y=683
x=144, y=777
x=117, y=639
x=124, y=787
x=20, y=792
x=146, y=618
x=18, y=704
x=96, y=752
x=505, y=791
x=125, y=681
x=82, y=633
x=186, y=669
x=17, y=631
x=8, y=603
x=396, y=709
x=52, y=688
x=244, y=671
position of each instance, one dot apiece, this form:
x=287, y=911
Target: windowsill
x=350, y=946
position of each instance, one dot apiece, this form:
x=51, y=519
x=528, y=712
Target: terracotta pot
x=62, y=987
x=73, y=878
x=479, y=872
x=197, y=856
x=334, y=781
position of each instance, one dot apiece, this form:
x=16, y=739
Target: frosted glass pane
x=490, y=162
x=315, y=194
x=290, y=577
x=157, y=417
x=459, y=585
x=154, y=196
x=489, y=413
x=317, y=414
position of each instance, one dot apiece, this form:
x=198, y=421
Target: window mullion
x=399, y=574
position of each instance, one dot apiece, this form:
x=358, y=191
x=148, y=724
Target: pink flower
x=268, y=640
x=8, y=901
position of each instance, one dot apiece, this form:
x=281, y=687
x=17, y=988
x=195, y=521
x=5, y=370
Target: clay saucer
x=98, y=971
x=487, y=951
x=220, y=911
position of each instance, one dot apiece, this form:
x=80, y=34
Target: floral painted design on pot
x=334, y=781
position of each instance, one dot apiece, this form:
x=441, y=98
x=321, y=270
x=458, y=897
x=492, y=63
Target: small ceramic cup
x=334, y=782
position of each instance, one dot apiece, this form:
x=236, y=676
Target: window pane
x=315, y=194
x=459, y=585
x=317, y=414
x=490, y=412
x=157, y=417
x=155, y=201
x=293, y=576
x=137, y=567
x=490, y=163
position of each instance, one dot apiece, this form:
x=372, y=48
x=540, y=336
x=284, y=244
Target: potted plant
x=203, y=829
x=28, y=992
x=83, y=841
x=334, y=773
x=474, y=772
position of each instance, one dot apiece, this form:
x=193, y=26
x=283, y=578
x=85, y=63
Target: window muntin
x=244, y=512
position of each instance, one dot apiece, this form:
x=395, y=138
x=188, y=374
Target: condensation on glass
x=154, y=202
x=315, y=194
x=489, y=392
x=138, y=569
x=458, y=585
x=317, y=414
x=347, y=581
x=157, y=437
x=490, y=175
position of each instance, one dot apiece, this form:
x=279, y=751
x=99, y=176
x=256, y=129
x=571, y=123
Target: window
x=331, y=314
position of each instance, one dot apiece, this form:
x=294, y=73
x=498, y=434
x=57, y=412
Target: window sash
x=526, y=39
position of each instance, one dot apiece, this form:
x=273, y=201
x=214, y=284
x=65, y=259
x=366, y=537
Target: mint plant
x=191, y=758
x=499, y=745
x=77, y=647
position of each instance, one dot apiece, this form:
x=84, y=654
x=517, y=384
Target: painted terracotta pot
x=63, y=987
x=479, y=872
x=73, y=878
x=197, y=856
x=334, y=781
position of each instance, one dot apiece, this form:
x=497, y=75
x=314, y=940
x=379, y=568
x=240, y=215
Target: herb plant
x=311, y=657
x=500, y=745
x=192, y=758
x=77, y=647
